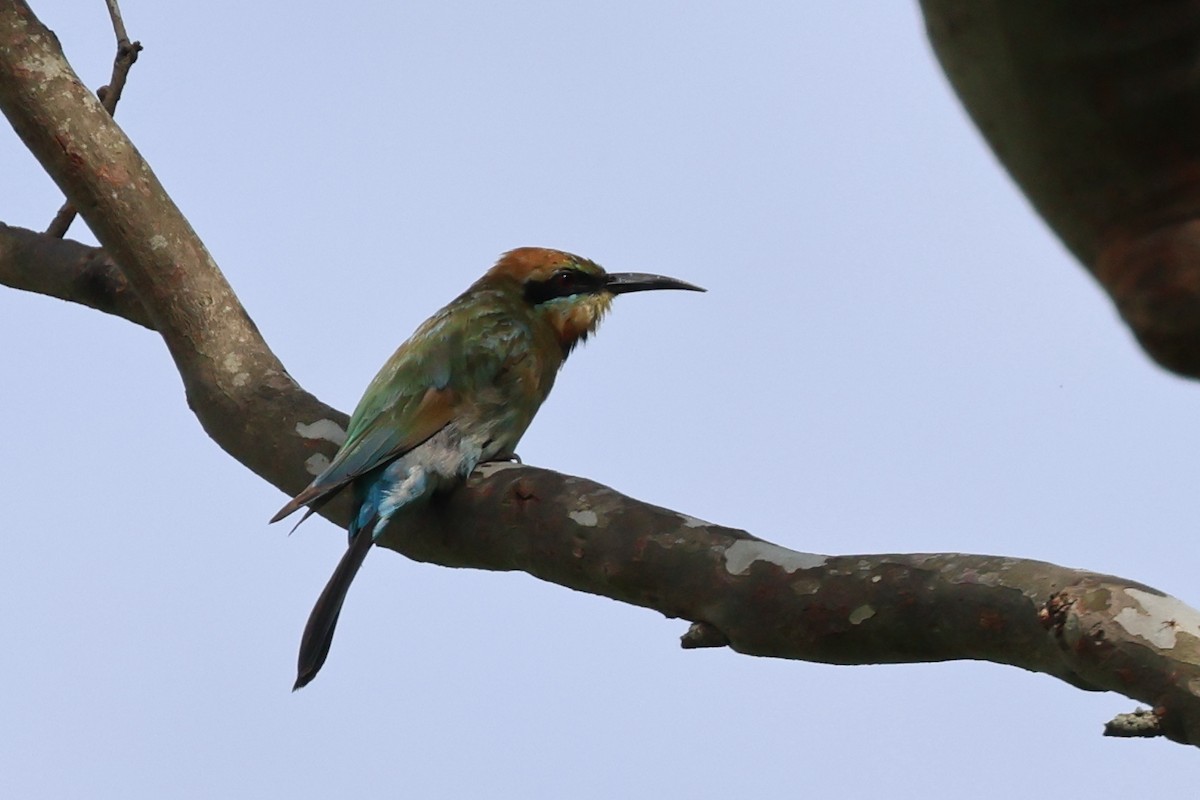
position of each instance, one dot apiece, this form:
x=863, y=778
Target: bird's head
x=571, y=293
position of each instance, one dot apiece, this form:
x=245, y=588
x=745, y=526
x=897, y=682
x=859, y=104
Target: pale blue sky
x=894, y=355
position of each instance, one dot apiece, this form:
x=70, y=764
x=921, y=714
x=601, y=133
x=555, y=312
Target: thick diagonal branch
x=1095, y=631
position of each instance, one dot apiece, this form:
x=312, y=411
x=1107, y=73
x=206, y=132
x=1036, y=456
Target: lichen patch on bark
x=742, y=554
x=1157, y=618
x=325, y=429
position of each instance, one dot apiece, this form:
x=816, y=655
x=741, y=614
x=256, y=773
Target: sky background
x=894, y=355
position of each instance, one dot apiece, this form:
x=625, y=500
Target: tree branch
x=44, y=264
x=118, y=22
x=1093, y=631
x=1095, y=112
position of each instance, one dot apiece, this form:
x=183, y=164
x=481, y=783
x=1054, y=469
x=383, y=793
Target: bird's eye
x=560, y=283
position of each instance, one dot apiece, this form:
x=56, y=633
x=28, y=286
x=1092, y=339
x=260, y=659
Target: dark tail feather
x=318, y=633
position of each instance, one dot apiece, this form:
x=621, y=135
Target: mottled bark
x=1094, y=631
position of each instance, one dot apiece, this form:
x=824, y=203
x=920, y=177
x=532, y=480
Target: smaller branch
x=1141, y=724
x=43, y=264
x=114, y=13
x=127, y=55
x=61, y=223
x=701, y=634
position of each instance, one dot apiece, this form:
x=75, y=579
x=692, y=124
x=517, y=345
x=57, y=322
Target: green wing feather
x=409, y=401
x=418, y=392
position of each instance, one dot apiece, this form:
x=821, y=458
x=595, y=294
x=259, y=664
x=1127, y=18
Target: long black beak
x=622, y=282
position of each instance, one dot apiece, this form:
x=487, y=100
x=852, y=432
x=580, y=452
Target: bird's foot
x=497, y=463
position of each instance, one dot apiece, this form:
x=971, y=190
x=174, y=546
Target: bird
x=459, y=392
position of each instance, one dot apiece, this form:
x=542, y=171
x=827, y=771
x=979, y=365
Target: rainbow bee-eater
x=461, y=391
